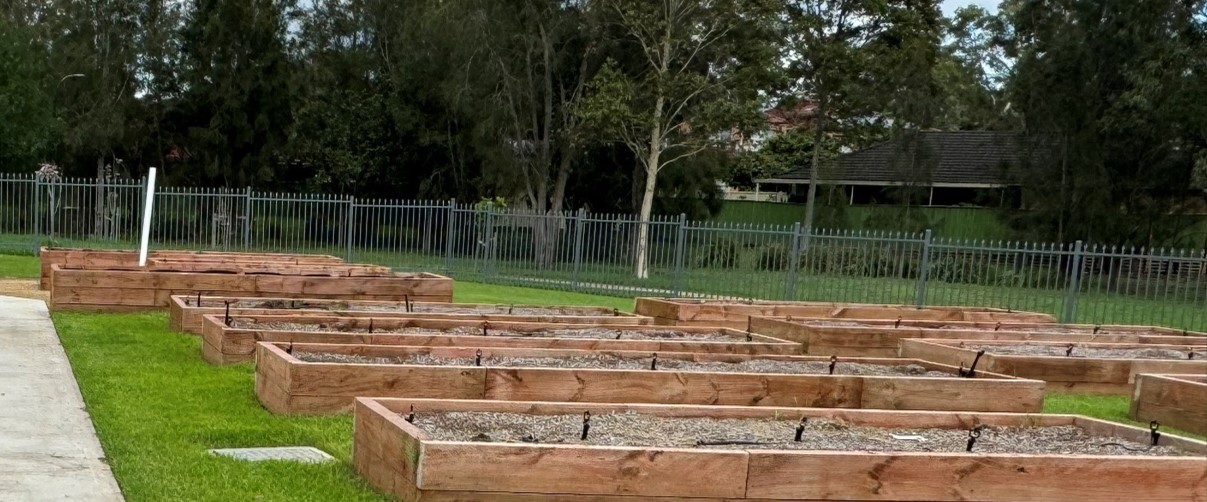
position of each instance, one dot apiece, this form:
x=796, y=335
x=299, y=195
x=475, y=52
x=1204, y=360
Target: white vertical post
x=146, y=218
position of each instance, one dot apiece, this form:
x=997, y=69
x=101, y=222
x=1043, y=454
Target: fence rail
x=580, y=251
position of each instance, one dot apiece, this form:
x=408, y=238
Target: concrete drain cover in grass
x=306, y=454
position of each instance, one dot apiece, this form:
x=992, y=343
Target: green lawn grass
x=19, y=267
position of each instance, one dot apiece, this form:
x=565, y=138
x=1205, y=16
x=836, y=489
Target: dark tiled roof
x=925, y=158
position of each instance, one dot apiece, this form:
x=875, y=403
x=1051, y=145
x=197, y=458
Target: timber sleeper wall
x=1178, y=401
x=1044, y=327
x=736, y=314
x=400, y=458
x=865, y=338
x=184, y=314
x=286, y=384
x=123, y=291
x=104, y=259
x=1062, y=373
x=224, y=344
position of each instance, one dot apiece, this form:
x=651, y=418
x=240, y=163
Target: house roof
x=926, y=158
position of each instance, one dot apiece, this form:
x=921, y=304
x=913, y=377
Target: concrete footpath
x=48, y=447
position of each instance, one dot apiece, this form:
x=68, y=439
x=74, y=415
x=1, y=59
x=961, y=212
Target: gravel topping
x=605, y=361
x=633, y=429
x=1091, y=352
x=420, y=309
x=603, y=333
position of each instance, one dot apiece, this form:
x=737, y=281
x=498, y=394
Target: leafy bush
x=773, y=257
x=718, y=254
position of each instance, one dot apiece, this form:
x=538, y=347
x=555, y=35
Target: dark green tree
x=238, y=91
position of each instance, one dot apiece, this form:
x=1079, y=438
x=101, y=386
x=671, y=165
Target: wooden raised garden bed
x=184, y=314
x=736, y=313
x=1092, y=368
x=324, y=378
x=421, y=450
x=237, y=342
x=1045, y=327
x=872, y=338
x=106, y=259
x=1178, y=401
x=133, y=290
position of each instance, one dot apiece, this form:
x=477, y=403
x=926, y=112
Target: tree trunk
x=815, y=163
x=98, y=221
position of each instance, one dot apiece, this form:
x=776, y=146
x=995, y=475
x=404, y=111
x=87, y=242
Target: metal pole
x=37, y=215
x=793, y=262
x=579, y=218
x=148, y=207
x=350, y=231
x=1070, y=303
x=680, y=252
x=489, y=244
x=247, y=218
x=450, y=236
x=923, y=270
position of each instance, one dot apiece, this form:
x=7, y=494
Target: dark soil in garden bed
x=632, y=429
x=1091, y=352
x=613, y=362
x=416, y=309
x=602, y=333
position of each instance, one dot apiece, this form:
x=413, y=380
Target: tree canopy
x=636, y=106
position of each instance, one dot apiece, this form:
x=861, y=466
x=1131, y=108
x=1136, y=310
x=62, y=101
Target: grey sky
x=950, y=6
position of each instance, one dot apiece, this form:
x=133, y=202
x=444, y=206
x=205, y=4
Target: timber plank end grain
x=329, y=387
x=1179, y=401
x=423, y=469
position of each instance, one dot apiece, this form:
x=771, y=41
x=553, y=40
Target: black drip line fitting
x=1152, y=431
x=971, y=371
x=972, y=437
x=586, y=425
x=1069, y=351
x=654, y=362
x=478, y=358
x=833, y=363
x=411, y=417
x=800, y=429
x=227, y=317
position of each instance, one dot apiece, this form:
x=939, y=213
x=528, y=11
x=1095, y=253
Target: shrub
x=773, y=257
x=718, y=254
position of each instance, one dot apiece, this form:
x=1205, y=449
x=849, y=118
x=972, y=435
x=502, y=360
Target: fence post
x=246, y=218
x=488, y=242
x=450, y=236
x=793, y=262
x=680, y=255
x=579, y=217
x=923, y=270
x=351, y=228
x=1070, y=303
x=37, y=214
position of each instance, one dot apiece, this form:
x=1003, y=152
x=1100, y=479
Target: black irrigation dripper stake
x=293, y=304
x=1190, y=355
x=972, y=437
x=897, y=324
x=370, y=325
x=800, y=429
x=485, y=329
x=618, y=334
x=406, y=300
x=615, y=312
x=971, y=371
x=654, y=362
x=478, y=358
x=411, y=416
x=749, y=325
x=289, y=349
x=509, y=307
x=1069, y=351
x=227, y=318
x=198, y=298
x=833, y=363
x=749, y=336
x=1152, y=431
x=997, y=326
x=1097, y=328
x=586, y=425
